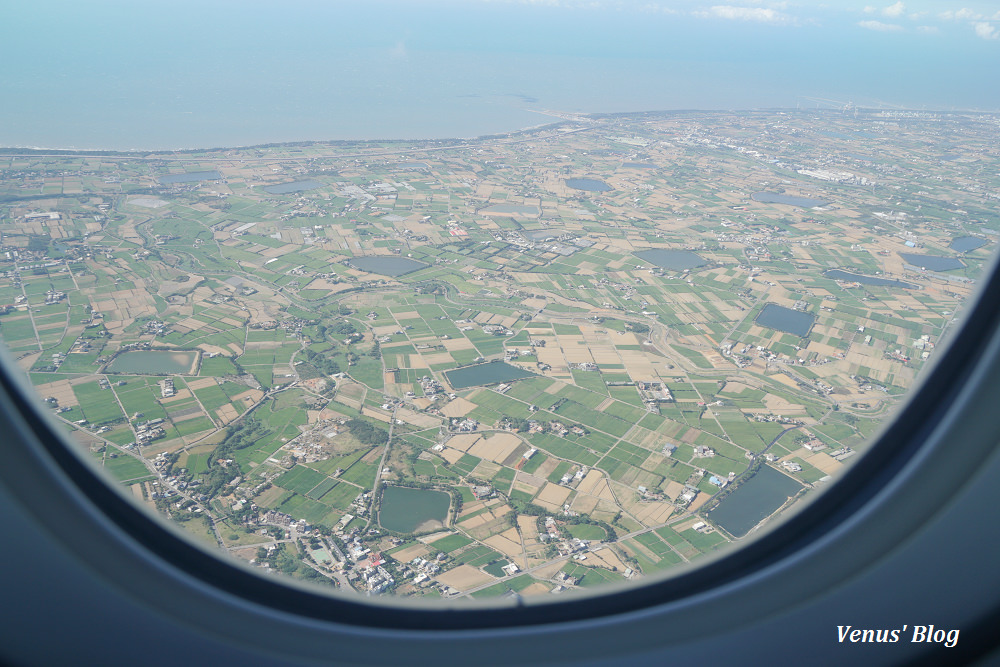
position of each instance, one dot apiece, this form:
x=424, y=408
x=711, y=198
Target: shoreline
x=562, y=118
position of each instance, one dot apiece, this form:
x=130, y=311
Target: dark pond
x=837, y=274
x=967, y=243
x=785, y=319
x=482, y=374
x=294, y=186
x=589, y=184
x=518, y=209
x=755, y=500
x=190, y=177
x=932, y=262
x=676, y=260
x=387, y=265
x=155, y=362
x=406, y=510
x=539, y=234
x=776, y=198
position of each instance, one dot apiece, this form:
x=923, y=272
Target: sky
x=123, y=74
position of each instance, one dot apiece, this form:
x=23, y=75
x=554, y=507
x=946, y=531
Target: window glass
x=603, y=338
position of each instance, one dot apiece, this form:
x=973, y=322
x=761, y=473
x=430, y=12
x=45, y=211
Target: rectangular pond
x=932, y=262
x=406, y=510
x=755, y=500
x=675, y=260
x=512, y=209
x=154, y=362
x=777, y=198
x=482, y=374
x=838, y=274
x=967, y=243
x=588, y=184
x=785, y=319
x=190, y=177
x=294, y=186
x=386, y=265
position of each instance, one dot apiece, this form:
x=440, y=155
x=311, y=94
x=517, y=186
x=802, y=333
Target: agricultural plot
x=659, y=377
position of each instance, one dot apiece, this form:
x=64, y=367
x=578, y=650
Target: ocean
x=123, y=75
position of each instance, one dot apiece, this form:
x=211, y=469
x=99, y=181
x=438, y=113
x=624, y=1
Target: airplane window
x=475, y=301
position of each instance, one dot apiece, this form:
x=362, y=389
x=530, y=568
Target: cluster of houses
x=148, y=431
x=466, y=425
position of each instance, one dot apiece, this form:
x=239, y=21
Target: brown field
x=376, y=413
x=464, y=577
x=458, y=408
x=200, y=383
x=450, y=455
x=536, y=588
x=509, y=544
x=411, y=552
x=463, y=441
x=496, y=448
x=553, y=496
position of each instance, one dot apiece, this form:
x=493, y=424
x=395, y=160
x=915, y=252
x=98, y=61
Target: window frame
x=896, y=492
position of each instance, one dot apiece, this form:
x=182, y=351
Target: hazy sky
x=222, y=71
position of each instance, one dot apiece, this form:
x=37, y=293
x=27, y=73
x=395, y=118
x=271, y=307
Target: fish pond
x=675, y=260
x=482, y=374
x=405, y=510
x=932, y=262
x=154, y=362
x=294, y=186
x=967, y=243
x=190, y=177
x=387, y=265
x=777, y=198
x=512, y=209
x=838, y=274
x=588, y=184
x=785, y=319
x=755, y=500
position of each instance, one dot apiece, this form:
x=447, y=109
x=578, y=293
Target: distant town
x=525, y=364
